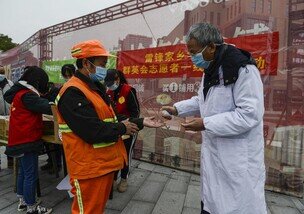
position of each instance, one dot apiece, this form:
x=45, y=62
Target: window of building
x=235, y=9
x=231, y=11
x=239, y=6
x=211, y=17
x=262, y=6
x=252, y=21
x=269, y=9
x=279, y=100
x=227, y=13
x=218, y=19
x=253, y=5
x=267, y=101
x=198, y=155
x=203, y=16
x=187, y=156
x=167, y=154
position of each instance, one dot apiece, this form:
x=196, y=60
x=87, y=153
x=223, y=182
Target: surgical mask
x=113, y=87
x=100, y=73
x=199, y=61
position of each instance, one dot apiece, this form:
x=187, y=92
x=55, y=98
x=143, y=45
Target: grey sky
x=19, y=19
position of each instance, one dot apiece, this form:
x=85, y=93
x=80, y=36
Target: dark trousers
x=129, y=145
x=57, y=151
x=202, y=209
x=27, y=177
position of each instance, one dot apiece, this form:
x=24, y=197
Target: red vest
x=121, y=102
x=24, y=126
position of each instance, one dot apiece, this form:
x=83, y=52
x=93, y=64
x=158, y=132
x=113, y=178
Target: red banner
x=264, y=49
x=160, y=62
x=174, y=61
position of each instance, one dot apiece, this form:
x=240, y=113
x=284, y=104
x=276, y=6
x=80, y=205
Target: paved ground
x=152, y=189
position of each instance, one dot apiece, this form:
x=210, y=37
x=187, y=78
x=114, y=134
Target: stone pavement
x=152, y=189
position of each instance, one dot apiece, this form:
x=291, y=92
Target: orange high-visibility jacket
x=86, y=160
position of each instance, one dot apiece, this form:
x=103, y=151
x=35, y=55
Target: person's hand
x=131, y=128
x=152, y=123
x=196, y=124
x=168, y=111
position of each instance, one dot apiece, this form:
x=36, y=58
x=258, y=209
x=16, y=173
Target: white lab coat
x=232, y=152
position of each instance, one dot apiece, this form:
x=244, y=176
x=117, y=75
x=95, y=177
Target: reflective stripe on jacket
x=86, y=160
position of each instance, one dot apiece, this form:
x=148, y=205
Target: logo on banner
x=257, y=29
x=176, y=5
x=181, y=87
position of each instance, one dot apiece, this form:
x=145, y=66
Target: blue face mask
x=113, y=87
x=199, y=61
x=99, y=75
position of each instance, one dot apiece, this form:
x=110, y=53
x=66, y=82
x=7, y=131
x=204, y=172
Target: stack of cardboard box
x=4, y=123
x=284, y=158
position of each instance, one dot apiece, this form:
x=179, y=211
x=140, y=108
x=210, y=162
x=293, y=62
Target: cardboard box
x=4, y=125
x=284, y=161
x=51, y=128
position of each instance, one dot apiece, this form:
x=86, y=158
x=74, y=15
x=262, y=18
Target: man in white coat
x=230, y=105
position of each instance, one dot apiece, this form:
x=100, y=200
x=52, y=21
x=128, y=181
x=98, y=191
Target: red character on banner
x=261, y=64
x=126, y=69
x=143, y=69
x=169, y=56
x=153, y=69
x=163, y=68
x=180, y=55
x=149, y=58
x=135, y=69
x=195, y=68
x=159, y=57
x=174, y=68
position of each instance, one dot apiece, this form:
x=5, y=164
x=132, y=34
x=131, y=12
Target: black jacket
x=231, y=59
x=30, y=100
x=82, y=119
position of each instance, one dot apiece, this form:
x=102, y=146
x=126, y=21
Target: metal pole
x=289, y=67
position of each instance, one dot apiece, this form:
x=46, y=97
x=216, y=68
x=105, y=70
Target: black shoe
x=46, y=167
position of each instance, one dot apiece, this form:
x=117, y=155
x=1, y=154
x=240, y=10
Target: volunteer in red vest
x=91, y=133
x=123, y=96
x=25, y=132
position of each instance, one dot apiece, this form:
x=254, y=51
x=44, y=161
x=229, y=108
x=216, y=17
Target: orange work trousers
x=91, y=195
